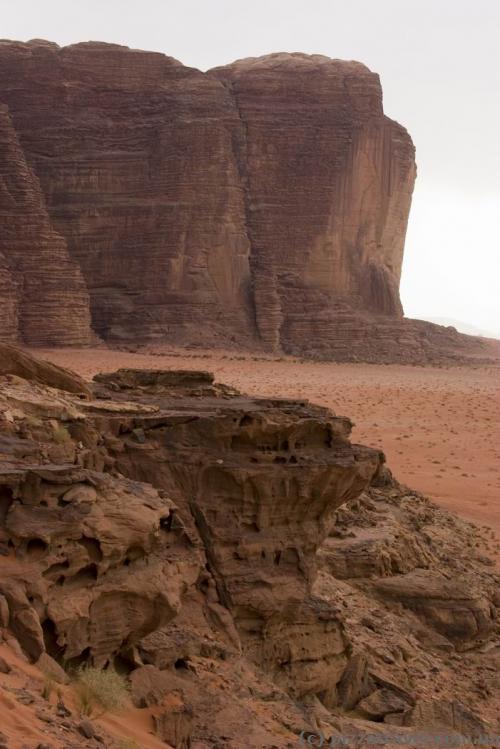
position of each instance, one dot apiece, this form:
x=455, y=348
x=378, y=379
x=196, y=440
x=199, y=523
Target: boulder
x=13, y=361
x=174, y=724
x=380, y=703
x=453, y=607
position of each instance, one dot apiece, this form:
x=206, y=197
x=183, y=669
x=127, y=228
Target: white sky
x=439, y=62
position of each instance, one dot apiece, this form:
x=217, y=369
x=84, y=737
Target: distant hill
x=462, y=327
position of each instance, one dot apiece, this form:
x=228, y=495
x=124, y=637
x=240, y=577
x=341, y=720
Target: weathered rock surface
x=14, y=362
x=174, y=724
x=329, y=185
x=454, y=607
x=263, y=204
x=99, y=581
x=193, y=543
x=44, y=299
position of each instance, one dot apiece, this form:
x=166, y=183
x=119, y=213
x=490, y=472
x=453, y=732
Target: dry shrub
x=128, y=744
x=100, y=691
x=61, y=434
x=48, y=685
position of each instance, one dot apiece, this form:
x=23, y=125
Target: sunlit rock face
x=256, y=204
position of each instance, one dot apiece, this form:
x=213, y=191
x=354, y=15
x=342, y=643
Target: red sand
x=439, y=427
x=22, y=723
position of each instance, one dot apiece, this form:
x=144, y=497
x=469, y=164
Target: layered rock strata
x=263, y=204
x=257, y=576
x=43, y=296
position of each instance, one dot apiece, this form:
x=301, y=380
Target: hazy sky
x=439, y=63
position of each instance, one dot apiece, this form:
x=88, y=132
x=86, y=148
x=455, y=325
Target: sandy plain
x=438, y=426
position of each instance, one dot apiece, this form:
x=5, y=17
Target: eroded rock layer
x=258, y=578
x=263, y=204
x=43, y=296
x=329, y=182
x=144, y=199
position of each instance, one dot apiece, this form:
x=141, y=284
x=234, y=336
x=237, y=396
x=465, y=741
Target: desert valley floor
x=439, y=427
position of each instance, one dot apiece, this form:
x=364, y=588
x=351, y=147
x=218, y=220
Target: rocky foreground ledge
x=262, y=581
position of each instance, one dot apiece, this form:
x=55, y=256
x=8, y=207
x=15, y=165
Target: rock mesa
x=263, y=204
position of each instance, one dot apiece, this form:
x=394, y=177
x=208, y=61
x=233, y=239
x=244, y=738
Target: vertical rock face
x=43, y=298
x=329, y=182
x=259, y=203
x=134, y=155
x=8, y=308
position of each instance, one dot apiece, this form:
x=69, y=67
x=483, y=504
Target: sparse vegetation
x=48, y=685
x=100, y=690
x=128, y=744
x=61, y=434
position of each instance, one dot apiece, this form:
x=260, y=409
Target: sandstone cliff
x=263, y=204
x=328, y=184
x=44, y=299
x=256, y=576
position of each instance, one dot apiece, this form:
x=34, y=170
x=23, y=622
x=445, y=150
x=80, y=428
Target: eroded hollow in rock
x=55, y=569
x=85, y=576
x=36, y=548
x=84, y=658
x=123, y=665
x=6, y=499
x=52, y=647
x=133, y=554
x=92, y=547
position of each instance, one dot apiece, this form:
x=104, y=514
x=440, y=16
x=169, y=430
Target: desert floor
x=439, y=427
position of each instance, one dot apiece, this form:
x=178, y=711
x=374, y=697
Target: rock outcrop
x=44, y=298
x=14, y=362
x=329, y=181
x=198, y=540
x=133, y=153
x=263, y=204
x=82, y=565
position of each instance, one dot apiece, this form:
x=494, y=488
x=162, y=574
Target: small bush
x=48, y=685
x=128, y=744
x=61, y=434
x=100, y=691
